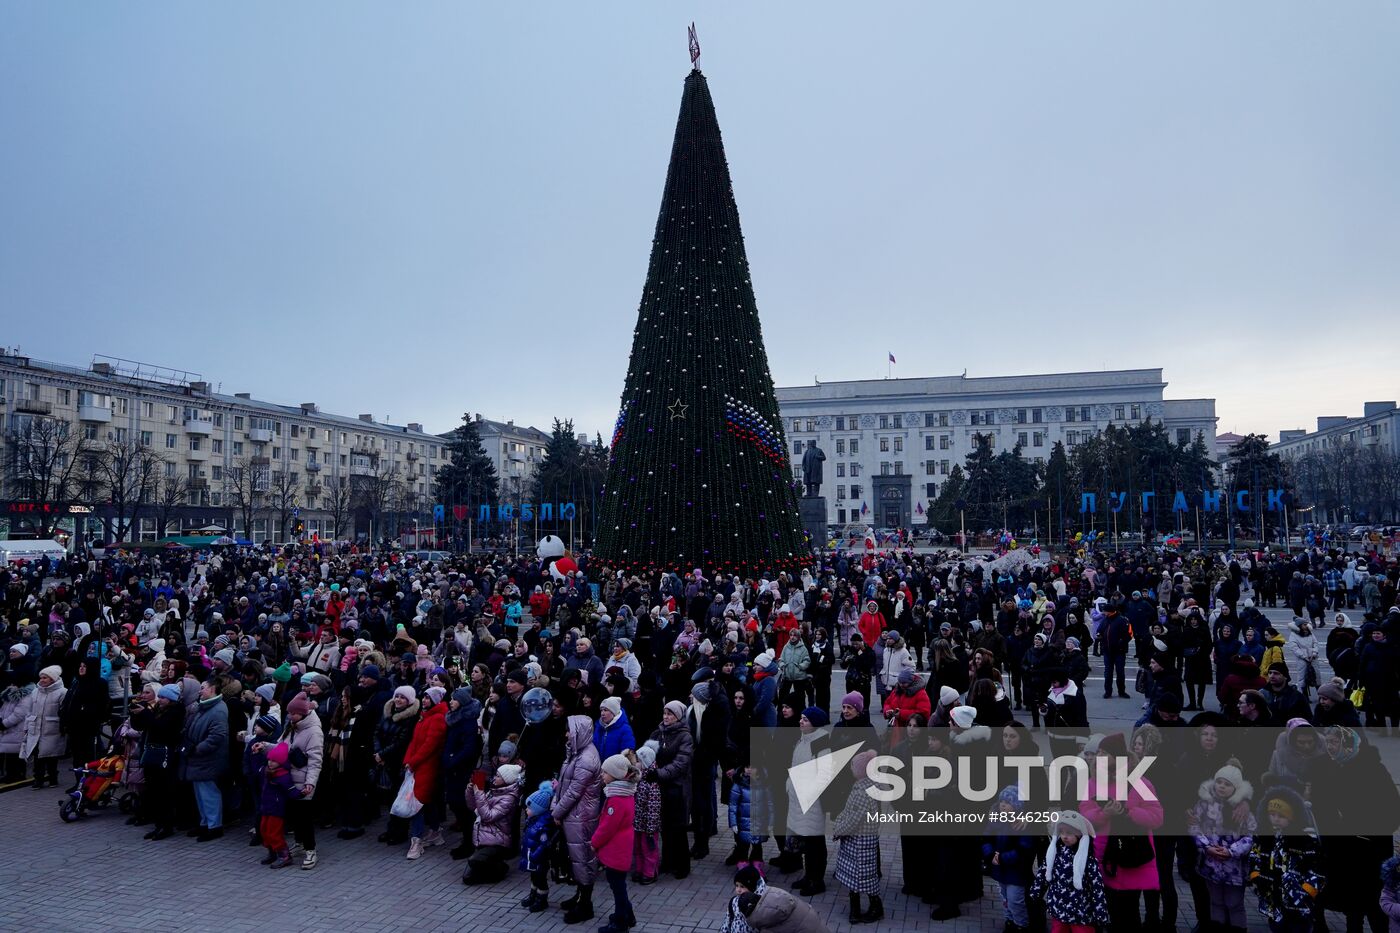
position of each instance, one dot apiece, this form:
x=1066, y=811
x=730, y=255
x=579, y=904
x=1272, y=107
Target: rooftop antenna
x=694, y=47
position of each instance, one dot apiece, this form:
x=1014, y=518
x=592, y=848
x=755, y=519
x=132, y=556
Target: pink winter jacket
x=612, y=840
x=1147, y=814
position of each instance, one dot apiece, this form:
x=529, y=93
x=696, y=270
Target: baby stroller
x=97, y=784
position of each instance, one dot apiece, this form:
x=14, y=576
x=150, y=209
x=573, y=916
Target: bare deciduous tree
x=128, y=472
x=245, y=489
x=47, y=461
x=171, y=492
x=340, y=504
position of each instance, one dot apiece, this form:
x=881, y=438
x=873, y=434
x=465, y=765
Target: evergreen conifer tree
x=469, y=476
x=700, y=474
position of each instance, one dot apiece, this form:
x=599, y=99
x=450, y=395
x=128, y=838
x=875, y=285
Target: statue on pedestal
x=812, y=459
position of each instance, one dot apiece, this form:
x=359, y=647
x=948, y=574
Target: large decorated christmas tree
x=699, y=474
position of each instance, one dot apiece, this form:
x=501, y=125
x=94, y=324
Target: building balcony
x=32, y=406
x=313, y=490
x=198, y=483
x=412, y=455
x=258, y=461
x=362, y=469
x=313, y=466
x=260, y=435
x=199, y=426
x=99, y=414
x=198, y=456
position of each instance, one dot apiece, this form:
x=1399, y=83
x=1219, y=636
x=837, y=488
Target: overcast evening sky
x=425, y=209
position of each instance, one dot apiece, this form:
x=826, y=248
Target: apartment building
x=225, y=458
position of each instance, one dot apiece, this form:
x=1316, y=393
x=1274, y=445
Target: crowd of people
x=570, y=726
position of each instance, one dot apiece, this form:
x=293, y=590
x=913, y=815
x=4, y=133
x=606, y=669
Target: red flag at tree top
x=694, y=45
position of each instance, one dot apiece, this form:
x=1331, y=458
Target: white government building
x=891, y=443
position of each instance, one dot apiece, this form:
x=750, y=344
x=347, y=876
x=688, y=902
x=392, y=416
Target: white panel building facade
x=891, y=443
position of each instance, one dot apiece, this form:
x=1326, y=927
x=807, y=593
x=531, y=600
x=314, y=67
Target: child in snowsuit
x=277, y=789
x=748, y=818
x=1072, y=885
x=612, y=840
x=535, y=843
x=1224, y=844
x=646, y=825
x=1008, y=855
x=1284, y=864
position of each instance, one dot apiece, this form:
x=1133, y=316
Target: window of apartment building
x=840, y=469
x=1085, y=413
x=1117, y=412
x=277, y=428
x=943, y=468
x=195, y=442
x=797, y=447
x=855, y=469
x=120, y=435
x=945, y=441
x=1021, y=439
x=840, y=422
x=930, y=467
x=884, y=421
x=840, y=445
x=1135, y=412
x=855, y=446
x=975, y=417
x=170, y=442
x=1021, y=416
x=1036, y=416
x=797, y=424
x=432, y=451
x=840, y=492
x=1071, y=438
x=930, y=491
x=899, y=445
x=884, y=468
x=897, y=421
x=172, y=413
x=928, y=442
x=218, y=419
x=342, y=438
x=899, y=468
x=65, y=396
x=326, y=458
x=148, y=410
x=342, y=459
x=1038, y=439
x=90, y=432
x=884, y=445
x=216, y=472
x=1071, y=414
x=1183, y=436
x=811, y=424
x=238, y=422
x=217, y=445
x=296, y=454
x=147, y=439
x=238, y=448
x=169, y=469
x=855, y=492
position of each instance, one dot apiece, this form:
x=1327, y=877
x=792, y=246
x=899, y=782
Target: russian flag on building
x=892, y=358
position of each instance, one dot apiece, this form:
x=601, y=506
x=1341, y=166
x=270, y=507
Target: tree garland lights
x=699, y=474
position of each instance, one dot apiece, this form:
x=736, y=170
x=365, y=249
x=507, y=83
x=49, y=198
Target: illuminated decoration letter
x=1118, y=499
x=527, y=512
x=1179, y=503
x=546, y=511
x=1210, y=500
x=1242, y=501
x=1275, y=500
x=505, y=513
x=566, y=512
x=1088, y=502
x=1146, y=503
x=484, y=515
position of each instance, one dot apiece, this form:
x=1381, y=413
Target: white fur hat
x=964, y=716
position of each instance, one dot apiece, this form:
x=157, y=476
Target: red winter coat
x=539, y=606
x=424, y=753
x=612, y=840
x=784, y=626
x=905, y=706
x=871, y=624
